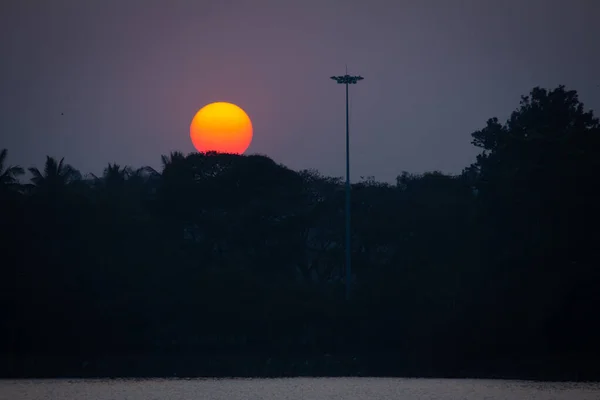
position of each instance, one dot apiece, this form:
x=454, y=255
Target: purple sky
x=129, y=76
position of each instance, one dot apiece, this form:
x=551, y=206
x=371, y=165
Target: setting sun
x=221, y=127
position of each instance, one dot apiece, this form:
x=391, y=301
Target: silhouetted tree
x=537, y=182
x=226, y=265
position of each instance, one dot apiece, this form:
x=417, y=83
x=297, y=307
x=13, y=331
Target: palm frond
x=3, y=154
x=175, y=156
x=37, y=177
x=50, y=167
x=164, y=160
x=127, y=171
x=10, y=174
x=15, y=170
x=70, y=174
x=148, y=170
x=60, y=167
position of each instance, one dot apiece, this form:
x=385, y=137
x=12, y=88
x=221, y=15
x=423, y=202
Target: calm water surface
x=295, y=389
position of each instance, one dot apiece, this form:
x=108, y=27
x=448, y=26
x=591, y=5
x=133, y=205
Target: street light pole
x=348, y=80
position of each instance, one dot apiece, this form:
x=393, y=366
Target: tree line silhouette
x=222, y=264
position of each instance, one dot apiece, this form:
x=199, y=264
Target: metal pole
x=347, y=80
x=348, y=235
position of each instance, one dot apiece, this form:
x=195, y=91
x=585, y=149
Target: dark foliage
x=233, y=265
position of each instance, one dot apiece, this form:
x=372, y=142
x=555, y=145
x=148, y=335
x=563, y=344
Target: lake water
x=294, y=389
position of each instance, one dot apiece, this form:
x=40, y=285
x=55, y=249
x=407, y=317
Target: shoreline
x=236, y=367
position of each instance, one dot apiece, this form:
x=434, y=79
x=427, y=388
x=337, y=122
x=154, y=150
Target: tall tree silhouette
x=537, y=180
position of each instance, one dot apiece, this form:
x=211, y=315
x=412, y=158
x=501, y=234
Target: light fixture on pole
x=348, y=80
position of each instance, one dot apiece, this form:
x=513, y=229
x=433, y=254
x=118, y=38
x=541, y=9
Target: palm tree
x=8, y=175
x=56, y=175
x=144, y=173
x=114, y=176
x=144, y=176
x=176, y=158
x=176, y=188
x=177, y=172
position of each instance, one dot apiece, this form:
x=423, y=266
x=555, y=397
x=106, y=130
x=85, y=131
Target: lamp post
x=348, y=80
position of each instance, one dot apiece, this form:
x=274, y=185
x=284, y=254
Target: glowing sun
x=221, y=127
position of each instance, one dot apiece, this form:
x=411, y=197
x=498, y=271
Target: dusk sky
x=129, y=75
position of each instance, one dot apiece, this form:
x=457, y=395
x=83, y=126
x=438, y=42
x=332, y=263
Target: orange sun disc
x=221, y=127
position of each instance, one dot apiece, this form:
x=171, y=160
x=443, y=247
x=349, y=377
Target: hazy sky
x=129, y=76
